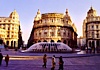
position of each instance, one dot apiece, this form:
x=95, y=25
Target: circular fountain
x=49, y=47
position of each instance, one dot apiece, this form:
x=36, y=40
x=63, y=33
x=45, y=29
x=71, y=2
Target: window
x=52, y=20
x=68, y=34
x=45, y=33
x=9, y=20
x=63, y=21
x=39, y=34
x=92, y=26
x=97, y=26
x=52, y=33
x=8, y=28
x=4, y=25
x=7, y=35
x=12, y=32
x=92, y=34
x=97, y=35
x=97, y=31
x=58, y=34
x=37, y=22
x=12, y=36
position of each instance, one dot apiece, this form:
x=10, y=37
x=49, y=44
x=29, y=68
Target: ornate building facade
x=53, y=27
x=91, y=29
x=3, y=34
x=10, y=27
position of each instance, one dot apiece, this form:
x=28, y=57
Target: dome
x=92, y=12
x=38, y=16
x=14, y=15
x=49, y=47
x=67, y=17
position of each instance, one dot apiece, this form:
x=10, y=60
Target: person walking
x=1, y=57
x=61, y=62
x=7, y=59
x=44, y=60
x=53, y=62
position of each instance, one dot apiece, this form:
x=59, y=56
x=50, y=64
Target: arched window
x=14, y=44
x=1, y=41
x=11, y=43
x=44, y=41
x=93, y=44
x=52, y=40
x=39, y=41
x=90, y=44
x=59, y=41
x=7, y=42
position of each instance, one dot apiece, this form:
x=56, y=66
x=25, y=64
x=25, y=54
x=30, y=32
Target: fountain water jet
x=49, y=47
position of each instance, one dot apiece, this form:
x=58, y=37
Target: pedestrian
x=7, y=59
x=53, y=62
x=44, y=60
x=1, y=57
x=61, y=62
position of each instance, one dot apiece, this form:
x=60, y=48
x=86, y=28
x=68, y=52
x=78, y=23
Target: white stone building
x=54, y=27
x=10, y=29
x=91, y=29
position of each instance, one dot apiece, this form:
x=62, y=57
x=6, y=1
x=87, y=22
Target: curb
x=73, y=56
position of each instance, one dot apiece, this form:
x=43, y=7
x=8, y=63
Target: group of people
x=61, y=62
x=6, y=59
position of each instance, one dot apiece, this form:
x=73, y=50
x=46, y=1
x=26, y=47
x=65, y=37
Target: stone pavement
x=33, y=61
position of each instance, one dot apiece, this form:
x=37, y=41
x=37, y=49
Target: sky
x=27, y=10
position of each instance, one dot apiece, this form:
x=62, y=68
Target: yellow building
x=91, y=29
x=3, y=34
x=11, y=29
x=53, y=27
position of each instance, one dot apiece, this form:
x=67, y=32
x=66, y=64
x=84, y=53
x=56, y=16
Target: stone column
x=95, y=44
x=9, y=42
x=56, y=32
x=16, y=44
x=49, y=32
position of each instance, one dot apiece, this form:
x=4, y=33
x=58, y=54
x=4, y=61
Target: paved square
x=33, y=61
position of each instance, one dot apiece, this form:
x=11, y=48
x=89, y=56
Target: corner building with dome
x=10, y=31
x=91, y=29
x=53, y=27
